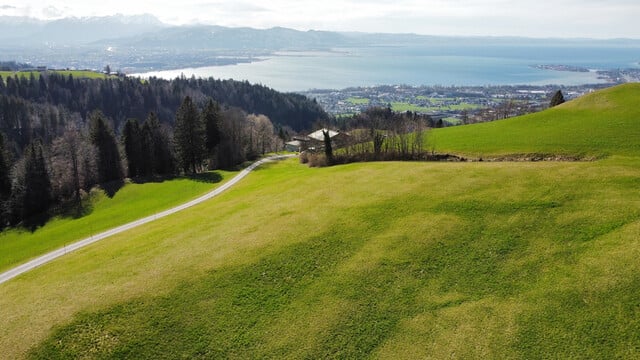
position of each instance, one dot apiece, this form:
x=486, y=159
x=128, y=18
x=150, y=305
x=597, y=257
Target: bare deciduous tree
x=261, y=133
x=72, y=165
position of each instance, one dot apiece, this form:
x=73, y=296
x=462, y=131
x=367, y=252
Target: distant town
x=453, y=104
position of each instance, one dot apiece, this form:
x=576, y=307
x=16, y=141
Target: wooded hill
x=73, y=133
x=123, y=98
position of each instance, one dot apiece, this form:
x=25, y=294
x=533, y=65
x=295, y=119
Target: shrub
x=318, y=160
x=304, y=157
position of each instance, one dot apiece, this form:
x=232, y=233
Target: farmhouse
x=315, y=140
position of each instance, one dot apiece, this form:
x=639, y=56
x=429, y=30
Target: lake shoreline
x=342, y=68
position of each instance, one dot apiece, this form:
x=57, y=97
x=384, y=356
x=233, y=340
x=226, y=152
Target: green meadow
x=393, y=260
x=132, y=202
x=599, y=124
x=75, y=73
x=437, y=106
x=358, y=101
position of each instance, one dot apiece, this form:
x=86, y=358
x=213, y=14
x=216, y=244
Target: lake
x=415, y=65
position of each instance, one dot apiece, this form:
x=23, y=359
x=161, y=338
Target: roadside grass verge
x=130, y=203
x=386, y=260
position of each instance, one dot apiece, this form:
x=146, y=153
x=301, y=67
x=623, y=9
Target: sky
x=530, y=18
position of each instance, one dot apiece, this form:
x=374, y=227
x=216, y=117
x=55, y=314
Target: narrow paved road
x=8, y=275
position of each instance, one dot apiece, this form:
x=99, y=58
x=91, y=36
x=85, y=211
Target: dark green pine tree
x=557, y=99
x=157, y=143
x=328, y=149
x=5, y=180
x=189, y=136
x=5, y=185
x=146, y=157
x=132, y=140
x=211, y=119
x=108, y=156
x=36, y=191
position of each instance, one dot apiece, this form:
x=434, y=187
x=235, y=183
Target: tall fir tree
x=557, y=99
x=158, y=140
x=108, y=155
x=146, y=157
x=211, y=118
x=5, y=180
x=5, y=184
x=189, y=136
x=328, y=149
x=31, y=188
x=132, y=140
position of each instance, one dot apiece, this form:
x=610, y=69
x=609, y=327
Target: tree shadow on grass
x=68, y=209
x=210, y=177
x=266, y=166
x=111, y=188
x=33, y=223
x=76, y=210
x=153, y=179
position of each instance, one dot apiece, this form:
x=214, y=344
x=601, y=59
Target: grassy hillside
x=599, y=124
x=375, y=260
x=130, y=203
x=391, y=260
x=76, y=74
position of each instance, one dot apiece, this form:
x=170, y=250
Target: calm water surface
x=342, y=68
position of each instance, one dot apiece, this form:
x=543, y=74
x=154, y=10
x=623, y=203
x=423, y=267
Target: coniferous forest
x=60, y=136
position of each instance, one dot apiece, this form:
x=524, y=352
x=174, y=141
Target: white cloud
x=52, y=12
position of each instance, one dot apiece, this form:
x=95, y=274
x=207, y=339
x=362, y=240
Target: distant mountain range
x=147, y=31
x=27, y=32
x=142, y=43
x=218, y=37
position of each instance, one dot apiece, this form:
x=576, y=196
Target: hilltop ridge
x=603, y=123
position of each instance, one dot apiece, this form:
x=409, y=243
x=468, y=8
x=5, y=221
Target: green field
x=130, y=203
x=599, y=124
x=452, y=120
x=76, y=74
x=435, y=100
x=376, y=260
x=437, y=104
x=404, y=106
x=358, y=101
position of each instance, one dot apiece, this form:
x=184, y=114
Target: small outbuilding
x=293, y=146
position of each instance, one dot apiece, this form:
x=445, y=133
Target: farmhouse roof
x=318, y=135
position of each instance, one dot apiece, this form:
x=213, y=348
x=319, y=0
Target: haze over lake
x=443, y=65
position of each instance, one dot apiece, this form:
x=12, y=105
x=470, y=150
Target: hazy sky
x=533, y=18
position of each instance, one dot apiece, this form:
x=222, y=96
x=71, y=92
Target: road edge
x=52, y=255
